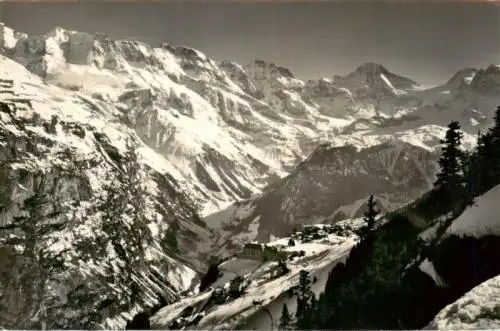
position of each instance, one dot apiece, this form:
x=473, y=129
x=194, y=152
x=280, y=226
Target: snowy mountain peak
x=190, y=53
x=9, y=37
x=274, y=83
x=238, y=75
x=57, y=31
x=487, y=81
x=375, y=77
x=371, y=68
x=464, y=76
x=274, y=69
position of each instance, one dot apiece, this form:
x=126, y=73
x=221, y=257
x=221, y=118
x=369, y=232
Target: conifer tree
x=322, y=312
x=286, y=320
x=312, y=313
x=211, y=276
x=495, y=130
x=236, y=287
x=370, y=215
x=468, y=168
x=475, y=164
x=372, y=212
x=304, y=296
x=483, y=166
x=282, y=268
x=487, y=157
x=495, y=142
x=450, y=180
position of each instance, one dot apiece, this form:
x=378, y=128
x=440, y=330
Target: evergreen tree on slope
x=495, y=130
x=370, y=216
x=486, y=163
x=286, y=320
x=450, y=181
x=304, y=295
x=495, y=142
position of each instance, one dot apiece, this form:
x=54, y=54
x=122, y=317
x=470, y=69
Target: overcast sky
x=427, y=41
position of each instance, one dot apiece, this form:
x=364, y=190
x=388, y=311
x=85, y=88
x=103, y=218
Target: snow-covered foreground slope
x=482, y=218
x=320, y=257
x=478, y=309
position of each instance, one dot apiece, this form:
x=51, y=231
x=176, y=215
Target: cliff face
x=90, y=231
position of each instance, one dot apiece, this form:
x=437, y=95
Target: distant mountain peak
x=487, y=81
x=283, y=71
x=372, y=68
x=56, y=29
x=374, y=75
x=464, y=75
x=9, y=37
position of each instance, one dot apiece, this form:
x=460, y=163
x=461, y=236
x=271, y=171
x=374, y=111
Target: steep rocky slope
x=87, y=215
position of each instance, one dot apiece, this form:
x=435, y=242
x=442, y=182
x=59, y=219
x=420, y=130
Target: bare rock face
x=487, y=81
x=90, y=234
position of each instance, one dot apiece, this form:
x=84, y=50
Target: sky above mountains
x=426, y=41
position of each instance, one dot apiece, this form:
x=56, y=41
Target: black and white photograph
x=249, y=165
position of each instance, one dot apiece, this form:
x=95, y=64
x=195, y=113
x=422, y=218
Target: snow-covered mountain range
x=229, y=130
x=95, y=131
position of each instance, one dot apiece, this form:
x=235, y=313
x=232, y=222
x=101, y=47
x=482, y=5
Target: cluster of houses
x=309, y=233
x=262, y=252
x=306, y=234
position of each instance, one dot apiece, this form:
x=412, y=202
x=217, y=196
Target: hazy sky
x=427, y=41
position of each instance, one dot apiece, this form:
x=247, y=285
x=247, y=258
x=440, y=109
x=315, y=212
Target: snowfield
x=480, y=219
x=479, y=309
